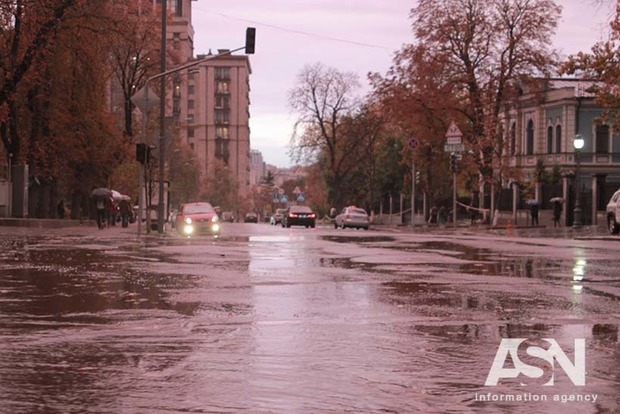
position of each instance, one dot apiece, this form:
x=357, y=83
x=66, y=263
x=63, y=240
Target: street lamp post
x=578, y=143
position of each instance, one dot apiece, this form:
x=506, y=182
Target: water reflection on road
x=296, y=320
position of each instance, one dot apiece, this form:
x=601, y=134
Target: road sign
x=145, y=102
x=454, y=132
x=413, y=143
x=454, y=147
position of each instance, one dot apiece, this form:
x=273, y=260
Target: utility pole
x=162, y=119
x=250, y=36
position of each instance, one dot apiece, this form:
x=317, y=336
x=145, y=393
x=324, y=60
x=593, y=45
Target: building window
x=222, y=87
x=190, y=89
x=221, y=116
x=221, y=150
x=529, y=139
x=222, y=101
x=190, y=104
x=222, y=73
x=176, y=40
x=191, y=145
x=602, y=139
x=549, y=139
x=190, y=132
x=190, y=118
x=221, y=132
x=558, y=139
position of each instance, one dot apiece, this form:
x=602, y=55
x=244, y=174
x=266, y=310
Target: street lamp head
x=578, y=142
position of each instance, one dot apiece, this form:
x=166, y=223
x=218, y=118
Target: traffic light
x=453, y=166
x=250, y=38
x=141, y=152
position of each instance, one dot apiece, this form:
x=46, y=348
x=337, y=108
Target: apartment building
x=216, y=125
x=210, y=102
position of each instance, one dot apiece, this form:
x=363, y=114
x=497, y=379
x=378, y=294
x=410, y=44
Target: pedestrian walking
x=60, y=209
x=534, y=212
x=101, y=217
x=557, y=212
x=432, y=219
x=125, y=210
x=442, y=215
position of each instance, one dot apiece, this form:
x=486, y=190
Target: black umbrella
x=101, y=192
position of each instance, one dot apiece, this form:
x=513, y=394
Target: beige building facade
x=209, y=102
x=217, y=123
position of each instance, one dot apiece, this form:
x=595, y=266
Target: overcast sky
x=359, y=36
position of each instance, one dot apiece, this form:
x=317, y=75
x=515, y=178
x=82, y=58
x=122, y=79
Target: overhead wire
x=300, y=32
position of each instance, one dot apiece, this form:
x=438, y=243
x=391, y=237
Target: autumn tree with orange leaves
x=475, y=54
x=601, y=64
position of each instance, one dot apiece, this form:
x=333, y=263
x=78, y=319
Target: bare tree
x=329, y=123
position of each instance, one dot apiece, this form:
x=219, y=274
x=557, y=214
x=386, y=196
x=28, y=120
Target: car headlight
x=188, y=220
x=215, y=227
x=188, y=229
x=214, y=219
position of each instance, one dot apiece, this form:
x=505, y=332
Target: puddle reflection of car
x=197, y=218
x=276, y=218
x=353, y=217
x=299, y=216
x=251, y=217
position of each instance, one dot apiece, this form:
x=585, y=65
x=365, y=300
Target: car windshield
x=358, y=211
x=199, y=208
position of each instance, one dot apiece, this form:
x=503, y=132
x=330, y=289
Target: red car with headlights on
x=197, y=218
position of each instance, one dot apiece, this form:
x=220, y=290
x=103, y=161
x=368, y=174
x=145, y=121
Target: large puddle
x=283, y=323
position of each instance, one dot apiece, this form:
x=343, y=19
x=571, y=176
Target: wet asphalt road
x=273, y=320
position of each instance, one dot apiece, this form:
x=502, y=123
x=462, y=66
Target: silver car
x=352, y=217
x=613, y=213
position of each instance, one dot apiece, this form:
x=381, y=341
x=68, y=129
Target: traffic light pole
x=412, y=191
x=160, y=206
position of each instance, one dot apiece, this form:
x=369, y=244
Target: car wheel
x=613, y=227
x=365, y=228
x=288, y=225
x=335, y=225
x=313, y=225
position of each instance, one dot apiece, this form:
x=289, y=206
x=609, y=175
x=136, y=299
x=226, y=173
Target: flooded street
x=274, y=320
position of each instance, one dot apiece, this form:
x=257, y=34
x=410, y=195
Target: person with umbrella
x=557, y=210
x=534, y=211
x=101, y=195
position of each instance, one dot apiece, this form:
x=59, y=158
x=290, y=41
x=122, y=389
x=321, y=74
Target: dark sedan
x=299, y=216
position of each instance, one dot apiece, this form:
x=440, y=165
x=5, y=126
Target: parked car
x=352, y=217
x=250, y=217
x=228, y=216
x=613, y=213
x=197, y=218
x=276, y=218
x=299, y=216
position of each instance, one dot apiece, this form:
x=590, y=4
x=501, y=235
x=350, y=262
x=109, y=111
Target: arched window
x=558, y=139
x=529, y=140
x=602, y=139
x=549, y=139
